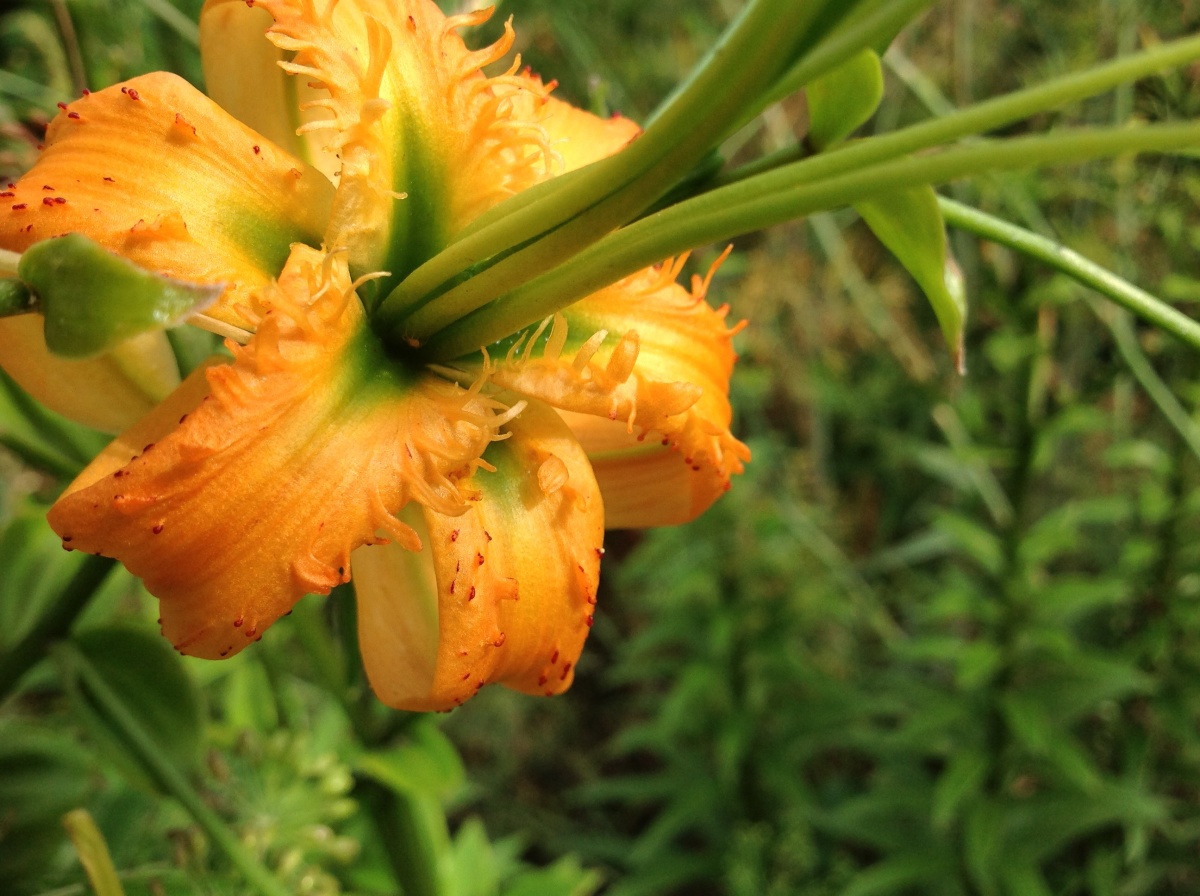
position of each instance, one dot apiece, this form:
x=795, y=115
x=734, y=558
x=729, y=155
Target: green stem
x=1152, y=384
x=15, y=297
x=765, y=201
x=152, y=757
x=571, y=212
x=55, y=623
x=39, y=457
x=995, y=113
x=1121, y=291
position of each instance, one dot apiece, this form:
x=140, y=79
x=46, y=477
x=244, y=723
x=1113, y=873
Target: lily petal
x=576, y=136
x=304, y=448
x=427, y=142
x=502, y=593
x=242, y=74
x=641, y=371
x=108, y=393
x=155, y=171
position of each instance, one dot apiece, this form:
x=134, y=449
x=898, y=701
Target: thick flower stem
x=151, y=757
x=573, y=211
x=770, y=199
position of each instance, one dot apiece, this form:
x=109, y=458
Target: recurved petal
x=108, y=393
x=242, y=74
x=503, y=593
x=155, y=171
x=245, y=499
x=641, y=373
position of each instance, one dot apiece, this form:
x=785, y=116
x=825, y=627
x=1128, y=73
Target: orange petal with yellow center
x=411, y=115
x=641, y=373
x=302, y=450
x=155, y=171
x=108, y=393
x=503, y=593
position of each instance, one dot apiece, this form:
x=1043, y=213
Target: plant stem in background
x=1074, y=265
x=93, y=853
x=152, y=758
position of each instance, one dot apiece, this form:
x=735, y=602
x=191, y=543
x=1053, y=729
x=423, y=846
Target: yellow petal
x=641, y=370
x=306, y=446
x=107, y=393
x=410, y=112
x=242, y=74
x=578, y=137
x=154, y=170
x=503, y=593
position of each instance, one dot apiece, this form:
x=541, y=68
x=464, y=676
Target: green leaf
x=93, y=300
x=428, y=764
x=962, y=779
x=151, y=681
x=564, y=878
x=42, y=775
x=473, y=870
x=909, y=222
x=841, y=101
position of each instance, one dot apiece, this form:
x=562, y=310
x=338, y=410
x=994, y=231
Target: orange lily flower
x=468, y=500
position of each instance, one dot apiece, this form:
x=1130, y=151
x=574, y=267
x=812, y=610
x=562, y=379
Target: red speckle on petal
x=565, y=672
x=257, y=149
x=554, y=658
x=237, y=623
x=157, y=530
x=133, y=94
x=20, y=206
x=589, y=619
x=542, y=679
x=471, y=595
x=499, y=642
x=74, y=115
x=478, y=559
x=454, y=535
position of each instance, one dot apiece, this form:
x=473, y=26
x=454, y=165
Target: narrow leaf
x=93, y=853
x=841, y=101
x=909, y=222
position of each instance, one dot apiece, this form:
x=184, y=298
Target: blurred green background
x=942, y=638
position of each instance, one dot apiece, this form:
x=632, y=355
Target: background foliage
x=942, y=638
